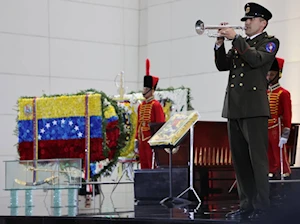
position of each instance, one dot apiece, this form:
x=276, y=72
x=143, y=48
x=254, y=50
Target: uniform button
x=232, y=85
x=254, y=88
x=241, y=84
x=235, y=51
x=242, y=74
x=242, y=64
x=254, y=43
x=236, y=56
x=234, y=66
x=233, y=76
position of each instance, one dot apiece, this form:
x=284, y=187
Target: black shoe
x=257, y=213
x=241, y=213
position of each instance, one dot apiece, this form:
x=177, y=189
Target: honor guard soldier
x=279, y=126
x=280, y=122
x=149, y=111
x=246, y=106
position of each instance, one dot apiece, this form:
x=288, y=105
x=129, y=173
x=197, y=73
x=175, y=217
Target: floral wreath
x=111, y=149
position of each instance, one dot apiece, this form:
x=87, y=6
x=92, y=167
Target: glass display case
x=51, y=174
x=43, y=174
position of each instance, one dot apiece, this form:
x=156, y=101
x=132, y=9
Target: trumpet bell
x=199, y=26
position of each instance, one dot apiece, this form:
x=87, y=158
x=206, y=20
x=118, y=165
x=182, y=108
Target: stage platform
x=121, y=206
x=152, y=212
x=143, y=212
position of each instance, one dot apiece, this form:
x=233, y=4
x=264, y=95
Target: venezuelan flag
x=61, y=127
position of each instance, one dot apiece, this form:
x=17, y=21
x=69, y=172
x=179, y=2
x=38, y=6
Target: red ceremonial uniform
x=281, y=116
x=149, y=111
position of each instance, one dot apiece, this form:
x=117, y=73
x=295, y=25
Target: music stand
x=171, y=201
x=183, y=123
x=191, y=187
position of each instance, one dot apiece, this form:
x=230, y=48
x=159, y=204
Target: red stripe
x=52, y=149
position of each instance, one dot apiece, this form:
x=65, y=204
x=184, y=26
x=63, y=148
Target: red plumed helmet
x=280, y=63
x=150, y=81
x=278, y=66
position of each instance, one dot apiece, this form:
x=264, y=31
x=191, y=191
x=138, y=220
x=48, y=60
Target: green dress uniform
x=246, y=107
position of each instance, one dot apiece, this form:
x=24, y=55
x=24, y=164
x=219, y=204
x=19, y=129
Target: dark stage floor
x=121, y=207
x=207, y=212
x=212, y=211
x=152, y=212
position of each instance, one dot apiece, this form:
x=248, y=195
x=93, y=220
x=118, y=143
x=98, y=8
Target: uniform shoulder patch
x=270, y=47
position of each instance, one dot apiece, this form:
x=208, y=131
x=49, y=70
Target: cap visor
x=246, y=17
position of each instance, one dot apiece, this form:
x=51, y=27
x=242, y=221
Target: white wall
x=62, y=46
x=182, y=57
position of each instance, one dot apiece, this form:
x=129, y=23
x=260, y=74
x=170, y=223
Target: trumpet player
x=246, y=106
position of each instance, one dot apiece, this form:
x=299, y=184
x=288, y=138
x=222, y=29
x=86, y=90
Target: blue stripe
x=96, y=127
x=60, y=128
x=111, y=119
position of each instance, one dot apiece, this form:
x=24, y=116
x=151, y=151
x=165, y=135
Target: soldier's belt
x=273, y=126
x=272, y=121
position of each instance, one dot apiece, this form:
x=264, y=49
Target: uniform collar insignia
x=273, y=87
x=150, y=99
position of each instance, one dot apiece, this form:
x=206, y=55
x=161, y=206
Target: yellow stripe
x=95, y=105
x=62, y=106
x=25, y=104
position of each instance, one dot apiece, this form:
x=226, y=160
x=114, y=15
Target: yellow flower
x=109, y=112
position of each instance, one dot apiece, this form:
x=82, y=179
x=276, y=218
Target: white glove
x=136, y=146
x=282, y=141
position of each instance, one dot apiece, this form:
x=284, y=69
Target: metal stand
x=191, y=187
x=171, y=201
x=14, y=203
x=129, y=170
x=57, y=202
x=72, y=202
x=28, y=202
x=232, y=186
x=280, y=151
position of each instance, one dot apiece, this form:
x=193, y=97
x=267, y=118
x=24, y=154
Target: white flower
x=106, y=103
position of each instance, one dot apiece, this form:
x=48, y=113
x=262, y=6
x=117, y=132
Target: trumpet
x=201, y=28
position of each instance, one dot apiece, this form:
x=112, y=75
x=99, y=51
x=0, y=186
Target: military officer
x=149, y=111
x=246, y=106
